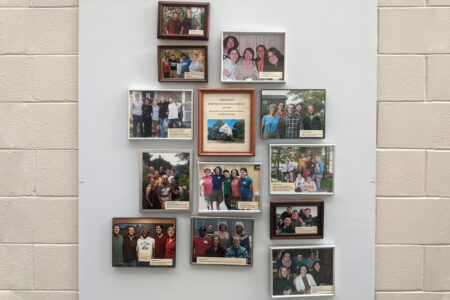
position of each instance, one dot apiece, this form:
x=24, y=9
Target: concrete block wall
x=38, y=150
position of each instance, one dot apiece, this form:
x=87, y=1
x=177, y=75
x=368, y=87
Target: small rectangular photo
x=160, y=114
x=302, y=271
x=301, y=169
x=296, y=219
x=139, y=242
x=253, y=56
x=183, y=20
x=292, y=114
x=226, y=130
x=222, y=241
x=183, y=63
x=229, y=187
x=165, y=177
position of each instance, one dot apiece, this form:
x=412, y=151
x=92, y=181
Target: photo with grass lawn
x=226, y=131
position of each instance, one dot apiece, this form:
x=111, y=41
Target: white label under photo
x=194, y=75
x=222, y=261
x=161, y=262
x=176, y=205
x=179, y=133
x=306, y=229
x=195, y=32
x=311, y=133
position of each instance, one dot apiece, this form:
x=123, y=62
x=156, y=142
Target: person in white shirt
x=145, y=248
x=173, y=120
x=136, y=115
x=299, y=182
x=284, y=171
x=292, y=165
x=304, y=281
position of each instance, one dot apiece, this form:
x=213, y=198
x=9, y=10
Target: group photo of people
x=229, y=186
x=143, y=242
x=160, y=114
x=253, y=56
x=302, y=271
x=290, y=114
x=288, y=218
x=182, y=21
x=182, y=63
x=221, y=238
x=165, y=179
x=298, y=169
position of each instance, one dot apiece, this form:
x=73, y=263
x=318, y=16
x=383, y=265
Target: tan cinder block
x=397, y=221
x=39, y=31
x=50, y=3
x=400, y=173
x=401, y=3
x=57, y=173
x=414, y=30
x=38, y=125
x=38, y=295
x=16, y=78
x=56, y=267
x=398, y=268
x=440, y=116
x=439, y=76
x=437, y=173
x=55, y=78
x=404, y=125
x=438, y=2
x=436, y=268
x=17, y=175
x=14, y=3
x=412, y=296
x=16, y=214
x=401, y=78
x=17, y=267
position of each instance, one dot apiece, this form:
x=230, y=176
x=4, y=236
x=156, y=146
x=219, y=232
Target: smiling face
x=158, y=229
x=260, y=52
x=303, y=271
x=272, y=110
x=234, y=55
x=287, y=222
x=170, y=232
x=236, y=242
x=215, y=241
x=243, y=173
x=137, y=96
x=131, y=231
x=189, y=13
x=248, y=55
x=272, y=58
x=230, y=43
x=284, y=272
x=116, y=229
x=317, y=267
x=310, y=109
x=290, y=109
x=175, y=16
x=207, y=172
x=281, y=107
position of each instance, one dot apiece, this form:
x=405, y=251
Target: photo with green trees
x=226, y=130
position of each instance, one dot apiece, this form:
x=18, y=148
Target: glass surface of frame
x=165, y=180
x=256, y=57
x=229, y=187
x=144, y=242
x=292, y=114
x=160, y=114
x=297, y=169
x=182, y=63
x=222, y=241
x=302, y=271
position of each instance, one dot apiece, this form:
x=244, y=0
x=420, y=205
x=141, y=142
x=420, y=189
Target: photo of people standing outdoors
x=292, y=114
x=183, y=20
x=165, y=179
x=182, y=63
x=221, y=241
x=253, y=56
x=301, y=169
x=296, y=219
x=227, y=187
x=143, y=242
x=160, y=114
x=302, y=271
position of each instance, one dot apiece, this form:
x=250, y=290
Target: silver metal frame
x=296, y=248
x=162, y=90
x=230, y=212
x=252, y=81
x=303, y=146
x=140, y=179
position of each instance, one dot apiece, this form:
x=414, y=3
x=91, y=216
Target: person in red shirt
x=160, y=242
x=200, y=243
x=207, y=183
x=166, y=67
x=174, y=25
x=170, y=243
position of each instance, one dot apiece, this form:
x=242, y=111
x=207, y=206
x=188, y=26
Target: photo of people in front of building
x=301, y=169
x=160, y=114
x=302, y=271
x=253, y=56
x=182, y=63
x=143, y=242
x=292, y=114
x=229, y=187
x=222, y=241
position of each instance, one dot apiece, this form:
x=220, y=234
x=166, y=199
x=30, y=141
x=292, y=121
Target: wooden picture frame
x=179, y=54
x=310, y=228
x=212, y=143
x=183, y=7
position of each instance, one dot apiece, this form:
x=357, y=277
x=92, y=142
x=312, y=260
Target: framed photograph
x=292, y=114
x=226, y=122
x=139, y=242
x=253, y=57
x=296, y=219
x=222, y=241
x=183, y=63
x=183, y=20
x=301, y=169
x=165, y=177
x=229, y=187
x=160, y=114
x=302, y=271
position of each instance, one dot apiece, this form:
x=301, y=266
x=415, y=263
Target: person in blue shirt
x=217, y=193
x=236, y=250
x=174, y=173
x=271, y=124
x=318, y=172
x=185, y=63
x=246, y=186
